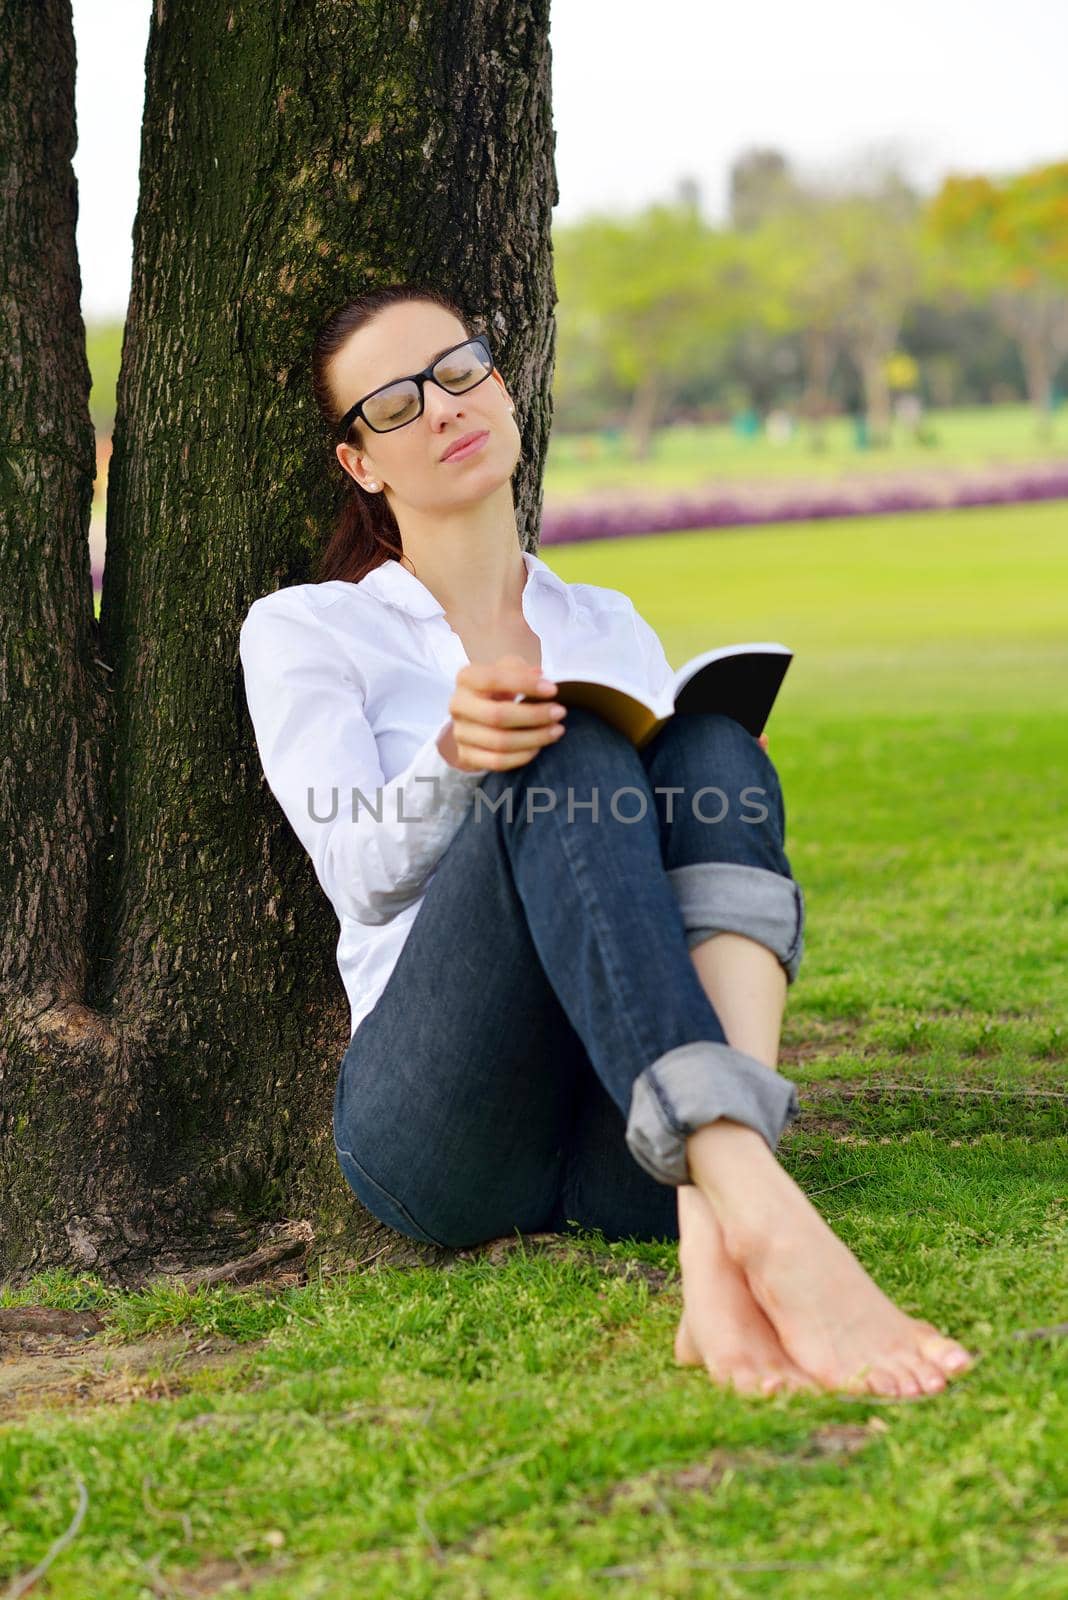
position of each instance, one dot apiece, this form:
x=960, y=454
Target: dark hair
x=365, y=532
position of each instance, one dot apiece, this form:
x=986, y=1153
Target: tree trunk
x=54, y=1050
x=173, y=1017
x=815, y=403
x=1035, y=354
x=641, y=418
x=871, y=361
x=1038, y=322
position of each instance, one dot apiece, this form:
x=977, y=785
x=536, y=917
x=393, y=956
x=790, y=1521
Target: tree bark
x=818, y=357
x=1038, y=322
x=872, y=362
x=1035, y=354
x=642, y=415
x=173, y=1017
x=54, y=1049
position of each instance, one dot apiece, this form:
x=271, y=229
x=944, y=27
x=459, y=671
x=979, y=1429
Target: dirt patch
x=196, y=1583
x=834, y=1106
x=52, y=1371
x=811, y=1122
x=820, y=1039
x=875, y=1089
x=644, y=1492
x=51, y=1360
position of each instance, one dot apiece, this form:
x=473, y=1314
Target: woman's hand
x=763, y=743
x=489, y=727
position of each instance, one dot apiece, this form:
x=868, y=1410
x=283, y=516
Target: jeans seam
x=800, y=915
x=663, y=1100
x=373, y=1183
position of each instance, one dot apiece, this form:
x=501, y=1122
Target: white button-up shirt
x=348, y=686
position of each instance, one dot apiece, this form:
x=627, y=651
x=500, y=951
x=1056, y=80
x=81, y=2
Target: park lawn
x=685, y=456
x=519, y=1428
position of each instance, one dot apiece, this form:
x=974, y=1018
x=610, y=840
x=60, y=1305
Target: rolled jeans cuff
x=697, y=1083
x=733, y=897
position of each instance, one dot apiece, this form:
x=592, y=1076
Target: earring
x=372, y=486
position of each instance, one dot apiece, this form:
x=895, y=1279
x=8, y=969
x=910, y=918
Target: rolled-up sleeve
x=373, y=844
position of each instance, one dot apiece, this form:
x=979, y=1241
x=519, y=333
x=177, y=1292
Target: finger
x=505, y=713
x=496, y=760
x=476, y=735
x=507, y=675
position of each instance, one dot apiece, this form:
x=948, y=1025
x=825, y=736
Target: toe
x=882, y=1380
x=686, y=1351
x=801, y=1383
x=748, y=1383
x=945, y=1353
x=743, y=1379
x=791, y=1380
x=900, y=1363
x=928, y=1374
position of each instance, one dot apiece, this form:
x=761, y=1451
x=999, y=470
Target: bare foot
x=830, y=1316
x=722, y=1328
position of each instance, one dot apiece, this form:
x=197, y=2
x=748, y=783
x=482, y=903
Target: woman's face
x=406, y=463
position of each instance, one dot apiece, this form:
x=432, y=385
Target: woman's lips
x=470, y=448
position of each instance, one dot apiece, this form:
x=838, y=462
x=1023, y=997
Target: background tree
x=650, y=292
x=839, y=264
x=874, y=246
x=1007, y=243
x=799, y=285
x=172, y=1017
x=761, y=183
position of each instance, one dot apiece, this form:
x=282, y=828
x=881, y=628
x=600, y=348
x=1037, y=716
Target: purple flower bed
x=568, y=524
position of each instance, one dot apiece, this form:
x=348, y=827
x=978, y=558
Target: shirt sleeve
x=317, y=746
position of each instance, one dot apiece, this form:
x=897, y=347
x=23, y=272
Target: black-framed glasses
x=400, y=402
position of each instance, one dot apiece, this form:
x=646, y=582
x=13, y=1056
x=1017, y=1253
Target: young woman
x=567, y=965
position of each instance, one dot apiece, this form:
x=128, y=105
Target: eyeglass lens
x=457, y=371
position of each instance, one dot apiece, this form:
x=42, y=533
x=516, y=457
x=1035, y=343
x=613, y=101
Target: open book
x=741, y=680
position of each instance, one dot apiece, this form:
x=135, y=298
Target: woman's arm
x=316, y=746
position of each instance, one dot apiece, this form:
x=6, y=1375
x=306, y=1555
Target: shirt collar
x=393, y=583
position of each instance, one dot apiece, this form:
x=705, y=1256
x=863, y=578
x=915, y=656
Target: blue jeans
x=544, y=1046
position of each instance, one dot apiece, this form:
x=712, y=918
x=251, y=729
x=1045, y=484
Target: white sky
x=644, y=95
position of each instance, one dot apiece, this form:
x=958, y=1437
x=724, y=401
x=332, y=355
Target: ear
x=498, y=379
x=353, y=464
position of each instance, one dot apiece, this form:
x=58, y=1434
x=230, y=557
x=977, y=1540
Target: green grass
x=520, y=1429
x=685, y=456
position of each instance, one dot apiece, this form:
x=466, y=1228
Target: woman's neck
x=471, y=562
